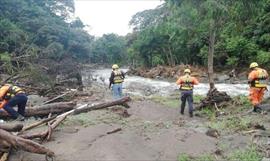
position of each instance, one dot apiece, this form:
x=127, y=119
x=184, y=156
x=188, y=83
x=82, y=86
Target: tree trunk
x=24, y=144
x=167, y=57
x=11, y=127
x=171, y=57
x=44, y=110
x=81, y=109
x=212, y=36
x=121, y=101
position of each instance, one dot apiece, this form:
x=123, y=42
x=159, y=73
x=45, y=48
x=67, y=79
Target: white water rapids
x=145, y=87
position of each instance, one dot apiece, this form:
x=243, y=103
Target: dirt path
x=152, y=132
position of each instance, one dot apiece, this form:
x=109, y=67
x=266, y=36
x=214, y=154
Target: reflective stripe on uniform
x=187, y=83
x=118, y=77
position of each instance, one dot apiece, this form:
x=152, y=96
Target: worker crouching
x=11, y=96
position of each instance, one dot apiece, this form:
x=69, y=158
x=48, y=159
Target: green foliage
x=232, y=123
x=179, y=32
x=250, y=154
x=208, y=112
x=167, y=101
x=183, y=157
x=205, y=157
x=110, y=49
x=38, y=30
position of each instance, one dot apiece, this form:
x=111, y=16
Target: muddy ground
x=154, y=131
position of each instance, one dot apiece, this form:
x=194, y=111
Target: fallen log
x=37, y=123
x=57, y=97
x=78, y=110
x=11, y=127
x=24, y=144
x=88, y=108
x=44, y=110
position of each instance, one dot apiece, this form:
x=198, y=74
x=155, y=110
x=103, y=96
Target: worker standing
x=257, y=79
x=116, y=79
x=187, y=83
x=11, y=96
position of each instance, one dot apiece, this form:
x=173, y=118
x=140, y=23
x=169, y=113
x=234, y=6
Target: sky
x=110, y=16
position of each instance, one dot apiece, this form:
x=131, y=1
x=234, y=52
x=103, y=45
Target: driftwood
x=114, y=131
x=44, y=110
x=11, y=127
x=24, y=144
x=215, y=98
x=37, y=124
x=88, y=108
x=57, y=97
x=81, y=109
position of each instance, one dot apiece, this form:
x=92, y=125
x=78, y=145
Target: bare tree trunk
x=167, y=57
x=44, y=110
x=171, y=57
x=24, y=144
x=212, y=36
x=11, y=127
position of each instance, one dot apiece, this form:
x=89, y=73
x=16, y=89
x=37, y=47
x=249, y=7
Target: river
x=145, y=87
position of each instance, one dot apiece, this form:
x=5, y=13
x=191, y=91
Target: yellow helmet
x=253, y=65
x=187, y=71
x=115, y=66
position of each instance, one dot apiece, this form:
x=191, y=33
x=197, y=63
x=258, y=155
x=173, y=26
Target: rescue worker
x=257, y=79
x=116, y=79
x=11, y=96
x=187, y=83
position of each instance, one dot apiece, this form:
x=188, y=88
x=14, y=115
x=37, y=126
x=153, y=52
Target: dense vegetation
x=40, y=32
x=179, y=31
x=186, y=31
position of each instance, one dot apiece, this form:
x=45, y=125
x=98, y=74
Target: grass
x=209, y=113
x=232, y=123
x=173, y=101
x=205, y=157
x=250, y=154
x=81, y=119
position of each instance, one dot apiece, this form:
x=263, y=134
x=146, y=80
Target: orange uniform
x=6, y=92
x=258, y=84
x=187, y=82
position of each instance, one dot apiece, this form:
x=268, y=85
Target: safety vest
x=261, y=80
x=187, y=83
x=12, y=91
x=118, y=77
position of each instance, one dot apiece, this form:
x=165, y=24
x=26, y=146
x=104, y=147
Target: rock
x=212, y=132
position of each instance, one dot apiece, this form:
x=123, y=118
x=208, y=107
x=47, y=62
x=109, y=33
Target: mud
x=152, y=132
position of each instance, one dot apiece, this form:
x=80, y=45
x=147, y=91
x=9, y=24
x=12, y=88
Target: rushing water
x=144, y=86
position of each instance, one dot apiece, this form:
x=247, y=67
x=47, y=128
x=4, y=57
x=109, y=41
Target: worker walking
x=11, y=96
x=257, y=79
x=187, y=83
x=116, y=79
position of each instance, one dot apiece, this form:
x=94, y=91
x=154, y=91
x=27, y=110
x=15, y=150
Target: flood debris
x=24, y=140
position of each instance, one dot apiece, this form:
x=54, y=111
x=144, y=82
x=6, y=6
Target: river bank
x=172, y=73
x=156, y=131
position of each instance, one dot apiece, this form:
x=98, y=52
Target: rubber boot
x=182, y=110
x=191, y=114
